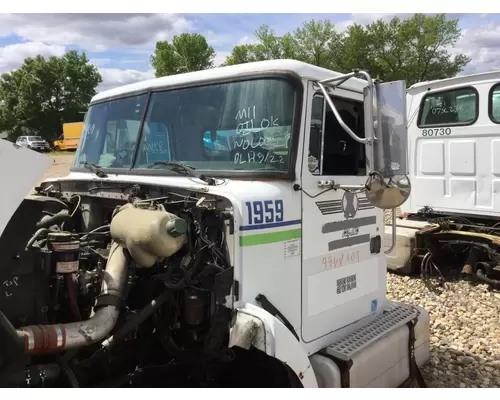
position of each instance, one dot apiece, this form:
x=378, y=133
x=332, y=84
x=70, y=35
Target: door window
x=332, y=151
x=494, y=104
x=451, y=107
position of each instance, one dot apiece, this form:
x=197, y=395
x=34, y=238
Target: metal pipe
x=341, y=78
x=393, y=231
x=339, y=118
x=321, y=154
x=370, y=136
x=59, y=337
x=378, y=134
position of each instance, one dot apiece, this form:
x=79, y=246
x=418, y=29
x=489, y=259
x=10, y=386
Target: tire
x=56, y=148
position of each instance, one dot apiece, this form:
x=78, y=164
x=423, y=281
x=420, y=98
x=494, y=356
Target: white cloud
x=482, y=44
x=248, y=40
x=94, y=32
x=220, y=57
x=13, y=55
x=343, y=25
x=364, y=19
x=114, y=77
x=218, y=39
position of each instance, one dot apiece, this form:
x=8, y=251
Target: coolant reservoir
x=148, y=235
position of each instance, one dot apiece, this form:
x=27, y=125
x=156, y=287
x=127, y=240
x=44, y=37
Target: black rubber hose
x=95, y=231
x=138, y=319
x=35, y=237
x=132, y=324
x=58, y=218
x=493, y=282
x=68, y=373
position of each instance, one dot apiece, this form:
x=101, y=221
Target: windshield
x=34, y=138
x=231, y=126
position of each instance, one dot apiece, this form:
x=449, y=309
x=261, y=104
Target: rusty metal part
x=53, y=338
x=42, y=338
x=467, y=269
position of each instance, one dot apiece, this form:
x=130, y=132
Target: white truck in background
x=159, y=262
x=452, y=215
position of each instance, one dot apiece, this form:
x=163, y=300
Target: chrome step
x=394, y=316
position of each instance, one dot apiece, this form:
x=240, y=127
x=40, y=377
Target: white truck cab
x=291, y=283
x=454, y=145
x=451, y=216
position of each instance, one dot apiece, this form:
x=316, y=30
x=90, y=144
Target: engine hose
x=54, y=338
x=68, y=373
x=493, y=282
x=72, y=296
x=96, y=230
x=61, y=216
x=137, y=319
x=132, y=324
x=423, y=265
x=426, y=266
x=35, y=237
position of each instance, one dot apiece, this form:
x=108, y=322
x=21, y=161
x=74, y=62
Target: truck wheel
x=57, y=148
x=253, y=368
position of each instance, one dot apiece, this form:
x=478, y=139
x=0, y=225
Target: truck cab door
x=343, y=270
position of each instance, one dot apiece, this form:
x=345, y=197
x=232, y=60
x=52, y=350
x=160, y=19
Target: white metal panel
x=343, y=283
x=20, y=169
x=459, y=172
x=301, y=69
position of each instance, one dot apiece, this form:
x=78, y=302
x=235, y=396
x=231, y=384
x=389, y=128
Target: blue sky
x=120, y=44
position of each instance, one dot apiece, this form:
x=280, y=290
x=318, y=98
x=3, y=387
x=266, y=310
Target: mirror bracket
x=335, y=186
x=387, y=185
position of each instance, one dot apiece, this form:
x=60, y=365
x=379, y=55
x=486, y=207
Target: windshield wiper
x=96, y=169
x=189, y=170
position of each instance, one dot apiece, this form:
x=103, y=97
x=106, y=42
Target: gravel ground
x=464, y=320
x=464, y=324
x=465, y=330
x=60, y=168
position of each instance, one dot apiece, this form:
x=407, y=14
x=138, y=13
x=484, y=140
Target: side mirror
x=388, y=186
x=386, y=138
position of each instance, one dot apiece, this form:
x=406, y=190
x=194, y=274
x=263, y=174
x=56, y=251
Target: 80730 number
x=436, y=132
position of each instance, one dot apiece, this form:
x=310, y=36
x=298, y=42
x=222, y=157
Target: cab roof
x=303, y=70
x=455, y=81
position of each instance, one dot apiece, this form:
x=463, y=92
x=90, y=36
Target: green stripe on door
x=273, y=237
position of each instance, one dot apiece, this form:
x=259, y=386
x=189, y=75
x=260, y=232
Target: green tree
x=317, y=42
x=312, y=43
x=243, y=53
x=43, y=94
x=269, y=47
x=415, y=49
x=187, y=53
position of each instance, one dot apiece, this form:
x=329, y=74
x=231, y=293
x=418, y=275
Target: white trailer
x=267, y=256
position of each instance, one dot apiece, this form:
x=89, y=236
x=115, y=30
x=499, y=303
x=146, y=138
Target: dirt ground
x=60, y=168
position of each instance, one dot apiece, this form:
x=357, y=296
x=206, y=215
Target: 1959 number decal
x=436, y=132
x=268, y=211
